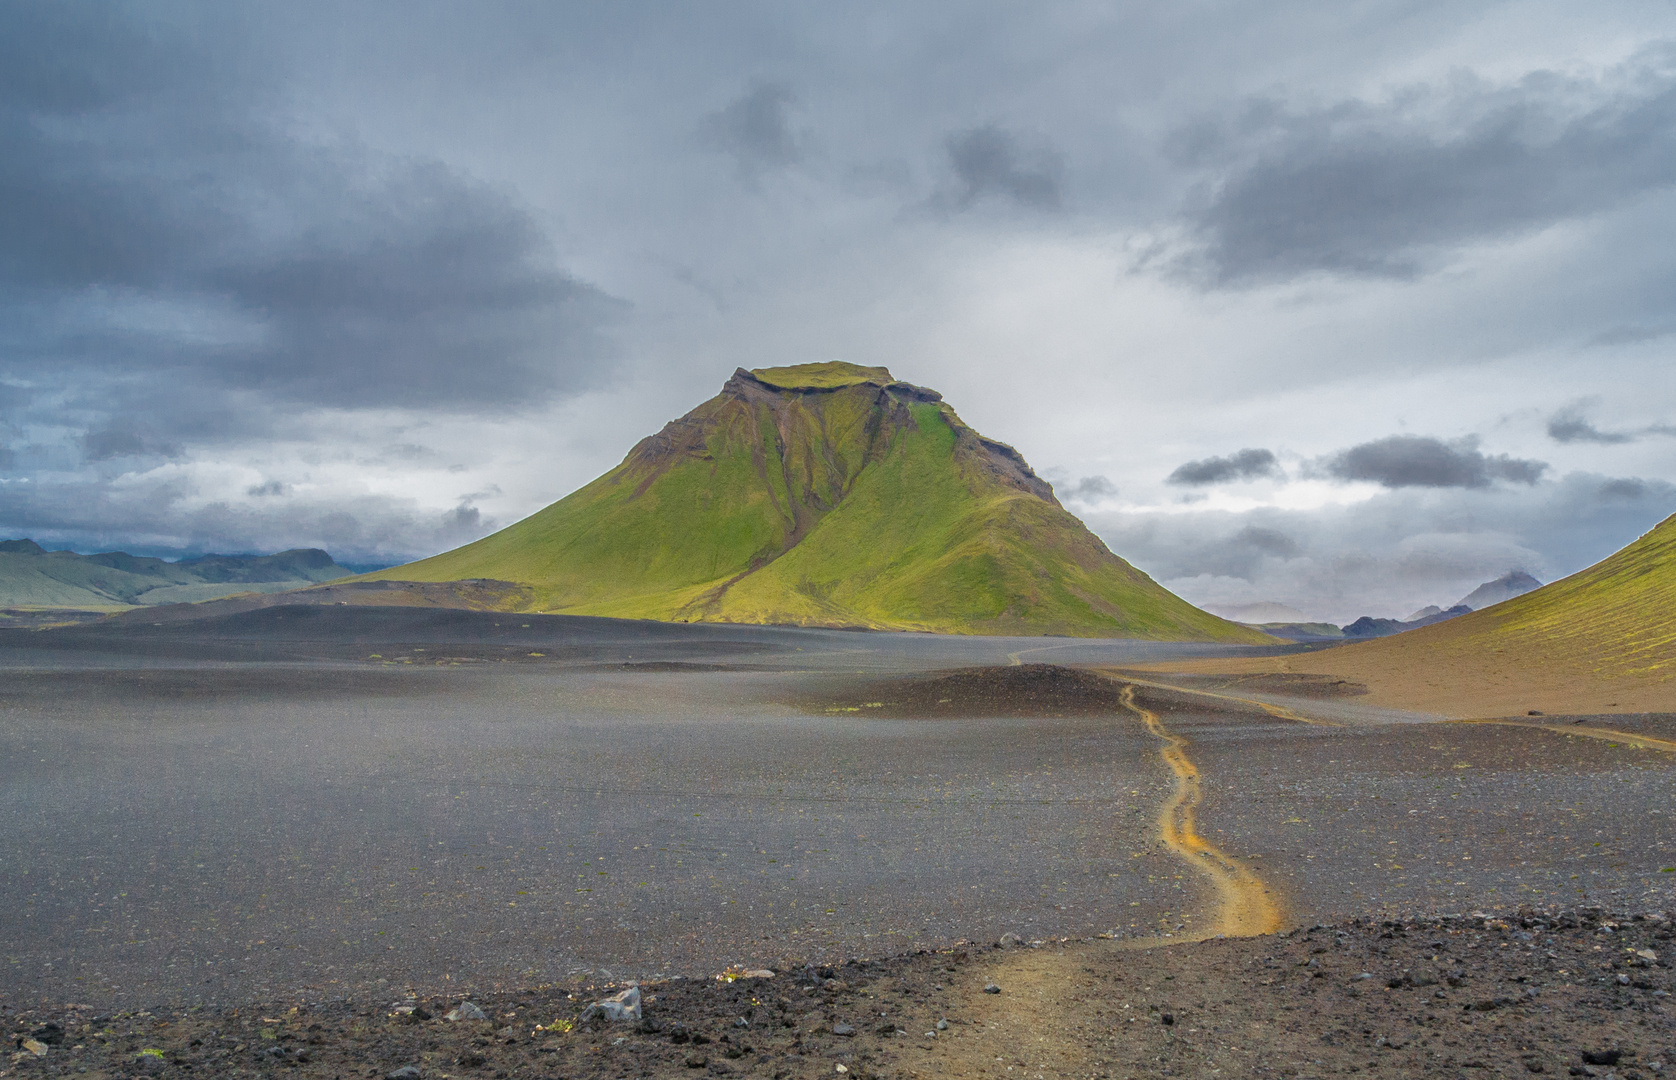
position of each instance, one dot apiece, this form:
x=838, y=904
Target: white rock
x=623, y=1006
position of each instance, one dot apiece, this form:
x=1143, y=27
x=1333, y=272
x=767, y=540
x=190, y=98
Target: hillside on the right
x=1600, y=641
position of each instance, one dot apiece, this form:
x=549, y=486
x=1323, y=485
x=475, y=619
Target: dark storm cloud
x=1365, y=188
x=157, y=217
x=991, y=162
x=1400, y=461
x=1248, y=464
x=756, y=129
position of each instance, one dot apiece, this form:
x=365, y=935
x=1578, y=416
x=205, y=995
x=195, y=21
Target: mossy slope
x=1600, y=641
x=1614, y=619
x=826, y=495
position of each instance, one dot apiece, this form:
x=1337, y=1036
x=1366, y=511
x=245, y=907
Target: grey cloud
x=991, y=162
x=1399, y=461
x=756, y=129
x=1248, y=464
x=1629, y=489
x=1372, y=188
x=1268, y=541
x=158, y=216
x=1569, y=426
x=268, y=488
x=1392, y=554
x=124, y=438
x=1091, y=488
x=153, y=517
x=1209, y=548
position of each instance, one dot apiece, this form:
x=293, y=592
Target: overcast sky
x=1347, y=306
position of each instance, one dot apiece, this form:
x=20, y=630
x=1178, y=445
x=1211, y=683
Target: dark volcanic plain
x=341, y=809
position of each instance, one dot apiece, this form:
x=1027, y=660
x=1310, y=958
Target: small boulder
x=1010, y=940
x=992, y=988
x=619, y=1006
x=1602, y=1057
x=465, y=1010
x=843, y=1029
x=406, y=1072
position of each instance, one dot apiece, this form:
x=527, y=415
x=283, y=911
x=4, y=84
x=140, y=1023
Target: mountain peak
x=1511, y=584
x=826, y=495
x=831, y=375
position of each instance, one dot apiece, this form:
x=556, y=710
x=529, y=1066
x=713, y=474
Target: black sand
x=293, y=807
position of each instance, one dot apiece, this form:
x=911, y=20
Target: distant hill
x=32, y=577
x=1369, y=627
x=826, y=495
x=1514, y=583
x=1601, y=640
x=1301, y=631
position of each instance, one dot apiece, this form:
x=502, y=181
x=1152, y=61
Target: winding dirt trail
x=1245, y=906
x=1036, y=1027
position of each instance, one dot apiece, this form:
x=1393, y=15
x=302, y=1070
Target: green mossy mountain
x=827, y=495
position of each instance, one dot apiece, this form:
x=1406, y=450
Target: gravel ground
x=1577, y=992
x=250, y=848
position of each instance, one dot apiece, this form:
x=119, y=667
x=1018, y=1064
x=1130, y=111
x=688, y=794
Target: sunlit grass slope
x=1601, y=640
x=1615, y=619
x=826, y=495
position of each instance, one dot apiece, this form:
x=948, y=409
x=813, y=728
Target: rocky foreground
x=1579, y=993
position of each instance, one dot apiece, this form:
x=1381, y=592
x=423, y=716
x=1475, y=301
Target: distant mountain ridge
x=33, y=577
x=1511, y=584
x=826, y=495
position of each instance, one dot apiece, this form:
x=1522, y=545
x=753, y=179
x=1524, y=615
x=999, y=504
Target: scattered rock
x=696, y=1060
x=1010, y=940
x=34, y=1046
x=412, y=1014
x=1168, y=1019
x=465, y=1010
x=942, y=1025
x=757, y=973
x=406, y=1072
x=620, y=1006
x=1602, y=1057
x=992, y=988
x=843, y=1029
x=53, y=1035
x=471, y=1059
